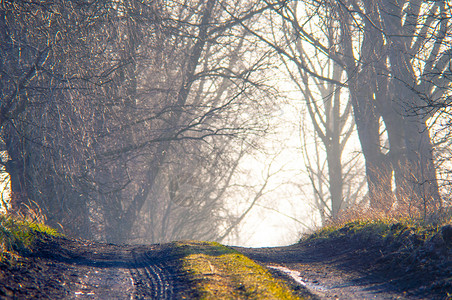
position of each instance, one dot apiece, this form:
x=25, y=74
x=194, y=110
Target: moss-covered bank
x=415, y=255
x=219, y=272
x=17, y=237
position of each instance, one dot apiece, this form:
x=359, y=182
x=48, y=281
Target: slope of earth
x=367, y=261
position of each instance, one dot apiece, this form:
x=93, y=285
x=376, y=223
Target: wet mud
x=343, y=270
x=70, y=269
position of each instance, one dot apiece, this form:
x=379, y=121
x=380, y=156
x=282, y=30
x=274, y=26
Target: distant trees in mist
x=128, y=120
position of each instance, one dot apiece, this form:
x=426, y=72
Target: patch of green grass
x=223, y=273
x=378, y=229
x=420, y=250
x=17, y=237
x=405, y=241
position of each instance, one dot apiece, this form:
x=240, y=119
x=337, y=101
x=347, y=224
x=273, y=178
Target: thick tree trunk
x=378, y=168
x=334, y=125
x=409, y=135
x=336, y=181
x=362, y=78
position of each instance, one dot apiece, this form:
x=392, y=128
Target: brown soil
x=61, y=268
x=346, y=269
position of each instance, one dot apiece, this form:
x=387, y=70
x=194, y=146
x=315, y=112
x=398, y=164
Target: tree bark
x=414, y=163
x=361, y=78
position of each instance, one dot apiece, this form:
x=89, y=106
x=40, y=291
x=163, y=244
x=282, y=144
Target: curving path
x=330, y=272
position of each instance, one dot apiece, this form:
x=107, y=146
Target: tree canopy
x=130, y=120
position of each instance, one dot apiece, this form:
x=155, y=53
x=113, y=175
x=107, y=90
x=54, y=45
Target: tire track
x=152, y=278
x=89, y=270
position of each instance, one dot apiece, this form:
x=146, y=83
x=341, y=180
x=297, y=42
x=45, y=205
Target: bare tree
x=333, y=126
x=47, y=121
x=114, y=102
x=395, y=56
x=326, y=99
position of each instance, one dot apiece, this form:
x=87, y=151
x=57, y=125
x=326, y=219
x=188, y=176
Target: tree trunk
x=362, y=78
x=378, y=168
x=416, y=173
x=16, y=168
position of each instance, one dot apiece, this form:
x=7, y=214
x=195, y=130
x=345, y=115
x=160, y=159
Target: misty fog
x=243, y=122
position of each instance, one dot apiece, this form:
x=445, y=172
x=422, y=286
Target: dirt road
x=327, y=274
x=70, y=269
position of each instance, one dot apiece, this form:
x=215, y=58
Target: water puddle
x=295, y=275
x=79, y=293
x=105, y=283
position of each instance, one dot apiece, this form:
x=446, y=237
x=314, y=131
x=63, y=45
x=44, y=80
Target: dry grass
x=395, y=211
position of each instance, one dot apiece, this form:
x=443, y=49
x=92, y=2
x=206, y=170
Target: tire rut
x=151, y=278
x=90, y=270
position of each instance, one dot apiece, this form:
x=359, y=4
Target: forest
x=140, y=120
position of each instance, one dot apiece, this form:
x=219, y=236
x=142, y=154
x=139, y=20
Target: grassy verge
x=18, y=236
x=405, y=241
x=403, y=234
x=222, y=273
x=419, y=255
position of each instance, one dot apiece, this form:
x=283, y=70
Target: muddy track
x=141, y=272
x=152, y=278
x=71, y=269
x=341, y=271
x=326, y=275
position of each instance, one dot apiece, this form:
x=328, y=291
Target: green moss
x=388, y=232
x=17, y=237
x=223, y=273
